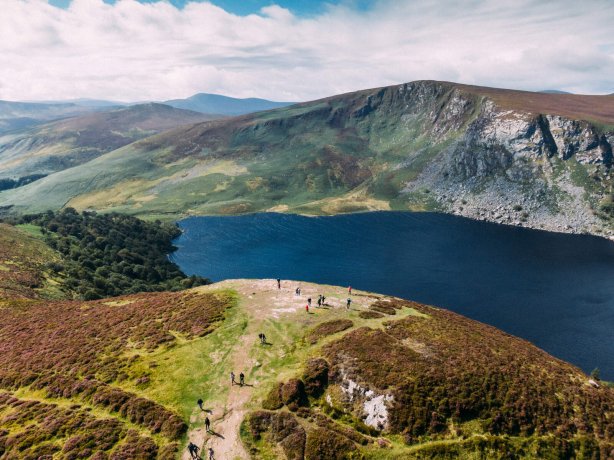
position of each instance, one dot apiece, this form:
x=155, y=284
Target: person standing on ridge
x=307, y=308
x=200, y=404
x=348, y=304
x=278, y=283
x=207, y=424
x=193, y=450
x=350, y=290
x=241, y=379
x=211, y=453
x=232, y=378
x=320, y=300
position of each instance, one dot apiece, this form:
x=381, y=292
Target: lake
x=555, y=290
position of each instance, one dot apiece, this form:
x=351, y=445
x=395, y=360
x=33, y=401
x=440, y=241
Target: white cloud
x=153, y=51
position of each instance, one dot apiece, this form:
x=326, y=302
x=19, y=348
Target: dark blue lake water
x=553, y=289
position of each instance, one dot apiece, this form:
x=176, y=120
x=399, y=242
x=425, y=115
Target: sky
x=295, y=50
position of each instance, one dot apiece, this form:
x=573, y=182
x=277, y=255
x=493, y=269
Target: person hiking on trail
x=348, y=304
x=307, y=308
x=207, y=424
x=200, y=404
x=323, y=299
x=278, y=283
x=350, y=290
x=193, y=450
x=241, y=379
x=232, y=378
x=320, y=300
x=309, y=301
x=211, y=453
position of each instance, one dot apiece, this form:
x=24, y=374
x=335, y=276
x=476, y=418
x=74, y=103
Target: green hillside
x=541, y=160
x=69, y=142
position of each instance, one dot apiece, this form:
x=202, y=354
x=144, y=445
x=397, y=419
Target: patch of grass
x=193, y=369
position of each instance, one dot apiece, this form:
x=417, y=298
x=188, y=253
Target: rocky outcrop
x=520, y=168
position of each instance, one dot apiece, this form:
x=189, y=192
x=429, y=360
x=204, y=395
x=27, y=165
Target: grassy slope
x=66, y=143
x=346, y=153
x=23, y=259
x=173, y=348
x=314, y=157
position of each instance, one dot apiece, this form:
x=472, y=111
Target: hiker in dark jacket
x=193, y=450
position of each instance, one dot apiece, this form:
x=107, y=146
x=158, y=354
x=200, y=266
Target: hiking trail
x=261, y=300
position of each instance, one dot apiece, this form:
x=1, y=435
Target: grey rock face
x=535, y=170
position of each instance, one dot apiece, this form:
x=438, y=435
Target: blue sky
x=244, y=7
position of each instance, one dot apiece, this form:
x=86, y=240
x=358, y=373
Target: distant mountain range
x=554, y=91
x=523, y=158
x=20, y=115
x=224, y=105
x=57, y=145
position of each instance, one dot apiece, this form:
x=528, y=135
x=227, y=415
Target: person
x=320, y=300
x=350, y=290
x=296, y=291
x=260, y=337
x=207, y=424
x=263, y=338
x=278, y=283
x=211, y=453
x=193, y=449
x=309, y=301
x=232, y=378
x=200, y=404
x=323, y=299
x=241, y=379
x=348, y=304
x=307, y=308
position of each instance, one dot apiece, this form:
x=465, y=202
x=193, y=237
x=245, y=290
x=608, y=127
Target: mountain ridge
x=224, y=105
x=423, y=145
x=58, y=144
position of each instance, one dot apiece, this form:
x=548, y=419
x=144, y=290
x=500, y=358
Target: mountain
x=522, y=158
x=38, y=110
x=224, y=105
x=61, y=144
x=18, y=115
x=389, y=378
x=554, y=91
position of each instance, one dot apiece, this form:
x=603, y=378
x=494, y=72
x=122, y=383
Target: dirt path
x=261, y=300
x=225, y=439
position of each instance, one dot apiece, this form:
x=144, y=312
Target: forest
x=111, y=254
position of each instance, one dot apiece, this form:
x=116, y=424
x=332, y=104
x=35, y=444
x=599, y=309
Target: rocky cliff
x=513, y=166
